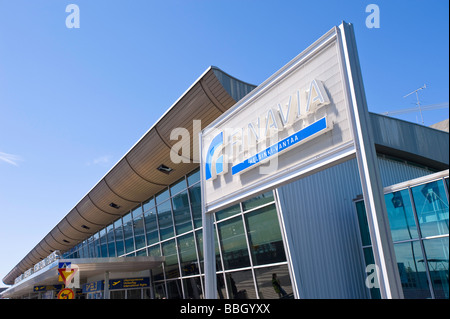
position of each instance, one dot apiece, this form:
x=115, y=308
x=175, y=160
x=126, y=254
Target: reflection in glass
x=196, y=204
x=228, y=212
x=151, y=227
x=437, y=257
x=432, y=208
x=148, y=204
x=192, y=288
x=258, y=201
x=370, y=260
x=188, y=256
x=274, y=282
x=233, y=243
x=139, y=231
x=162, y=196
x=110, y=237
x=174, y=289
x=134, y=294
x=199, y=238
x=264, y=236
x=178, y=187
x=363, y=225
x=412, y=270
x=169, y=251
x=193, y=177
x=181, y=212
x=103, y=243
x=240, y=285
x=128, y=233
x=117, y=294
x=401, y=216
x=165, y=220
x=157, y=272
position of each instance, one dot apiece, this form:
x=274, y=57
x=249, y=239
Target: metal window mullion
x=144, y=226
x=286, y=244
x=132, y=232
x=224, y=278
x=193, y=233
x=249, y=251
x=422, y=247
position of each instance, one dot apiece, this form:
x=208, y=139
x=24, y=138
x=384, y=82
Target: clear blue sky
x=73, y=101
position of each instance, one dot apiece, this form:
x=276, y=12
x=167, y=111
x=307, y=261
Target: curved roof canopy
x=136, y=177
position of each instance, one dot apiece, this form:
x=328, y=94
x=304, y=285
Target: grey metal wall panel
x=412, y=138
x=394, y=172
x=322, y=233
x=322, y=230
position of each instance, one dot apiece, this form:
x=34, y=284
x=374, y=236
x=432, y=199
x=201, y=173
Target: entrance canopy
x=88, y=267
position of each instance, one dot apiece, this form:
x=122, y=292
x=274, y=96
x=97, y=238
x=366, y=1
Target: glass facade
x=250, y=255
x=418, y=218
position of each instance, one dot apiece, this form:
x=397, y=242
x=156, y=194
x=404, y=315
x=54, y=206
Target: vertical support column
x=209, y=256
x=152, y=289
x=377, y=217
x=106, y=286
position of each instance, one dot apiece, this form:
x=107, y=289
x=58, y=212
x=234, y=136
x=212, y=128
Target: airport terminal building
x=138, y=233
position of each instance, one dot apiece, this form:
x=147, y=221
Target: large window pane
x=274, y=282
x=193, y=177
x=165, y=220
x=148, y=204
x=174, y=289
x=169, y=251
x=157, y=272
x=98, y=252
x=178, y=187
x=240, y=285
x=370, y=260
x=139, y=231
x=181, y=212
x=110, y=237
x=412, y=270
x=401, y=216
x=233, y=243
x=437, y=257
x=192, y=288
x=188, y=255
x=432, y=208
x=199, y=238
x=196, y=204
x=258, y=201
x=103, y=244
x=162, y=196
x=128, y=233
x=151, y=226
x=363, y=225
x=264, y=236
x=228, y=212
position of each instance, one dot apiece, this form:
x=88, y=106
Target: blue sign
x=47, y=287
x=93, y=286
x=124, y=283
x=282, y=145
x=63, y=265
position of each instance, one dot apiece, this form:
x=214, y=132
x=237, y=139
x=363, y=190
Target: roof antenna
x=418, y=101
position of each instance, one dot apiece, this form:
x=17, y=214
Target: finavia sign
x=230, y=145
x=295, y=122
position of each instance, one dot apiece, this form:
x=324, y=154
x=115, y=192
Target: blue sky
x=73, y=101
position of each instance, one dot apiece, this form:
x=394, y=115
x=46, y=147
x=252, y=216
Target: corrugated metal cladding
x=322, y=230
